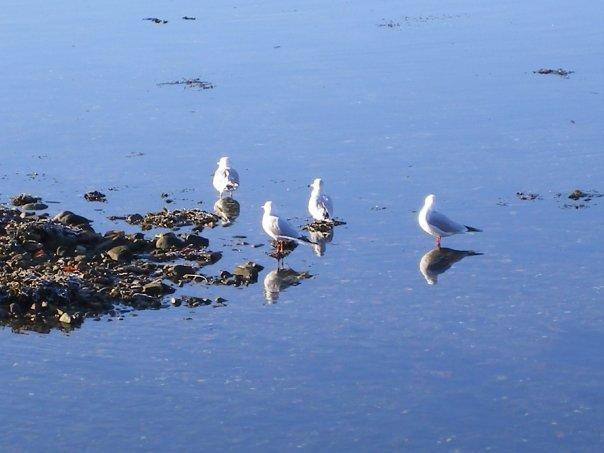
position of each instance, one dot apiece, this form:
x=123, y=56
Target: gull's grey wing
x=445, y=224
x=327, y=204
x=232, y=175
x=285, y=229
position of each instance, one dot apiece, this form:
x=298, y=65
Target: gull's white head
x=223, y=162
x=316, y=184
x=430, y=201
x=268, y=206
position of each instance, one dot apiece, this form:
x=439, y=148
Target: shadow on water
x=227, y=209
x=279, y=279
x=439, y=260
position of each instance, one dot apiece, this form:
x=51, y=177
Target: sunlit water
x=504, y=352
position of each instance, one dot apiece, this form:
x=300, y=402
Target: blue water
x=504, y=353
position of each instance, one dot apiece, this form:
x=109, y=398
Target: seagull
x=279, y=229
x=439, y=225
x=226, y=179
x=320, y=206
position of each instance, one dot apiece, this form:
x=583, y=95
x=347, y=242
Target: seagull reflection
x=279, y=279
x=439, y=260
x=227, y=209
x=320, y=240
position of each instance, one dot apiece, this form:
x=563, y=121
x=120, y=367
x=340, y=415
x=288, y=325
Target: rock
x=178, y=271
x=576, y=194
x=196, y=241
x=248, y=271
x=168, y=241
x=34, y=207
x=95, y=195
x=23, y=199
x=192, y=301
x=134, y=219
x=70, y=219
x=15, y=309
x=120, y=253
x=157, y=288
x=65, y=318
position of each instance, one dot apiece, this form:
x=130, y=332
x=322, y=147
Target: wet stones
x=174, y=219
x=95, y=195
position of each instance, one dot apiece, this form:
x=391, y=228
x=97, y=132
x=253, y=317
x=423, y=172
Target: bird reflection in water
x=439, y=260
x=320, y=239
x=227, y=209
x=279, y=279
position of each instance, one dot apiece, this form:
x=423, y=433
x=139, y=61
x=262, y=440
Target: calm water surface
x=503, y=353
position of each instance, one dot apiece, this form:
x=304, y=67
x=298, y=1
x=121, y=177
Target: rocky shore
x=58, y=271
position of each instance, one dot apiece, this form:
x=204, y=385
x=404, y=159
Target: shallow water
x=503, y=353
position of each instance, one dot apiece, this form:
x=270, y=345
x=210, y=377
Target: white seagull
x=439, y=225
x=226, y=179
x=320, y=206
x=279, y=229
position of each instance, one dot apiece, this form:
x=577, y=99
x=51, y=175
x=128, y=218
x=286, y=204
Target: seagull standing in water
x=226, y=179
x=279, y=229
x=439, y=225
x=320, y=206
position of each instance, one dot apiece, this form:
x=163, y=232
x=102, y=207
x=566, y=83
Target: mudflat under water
x=386, y=101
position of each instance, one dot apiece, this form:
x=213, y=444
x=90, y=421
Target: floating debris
x=189, y=18
x=191, y=83
x=156, y=20
x=578, y=195
x=389, y=24
x=95, y=195
x=527, y=196
x=560, y=72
